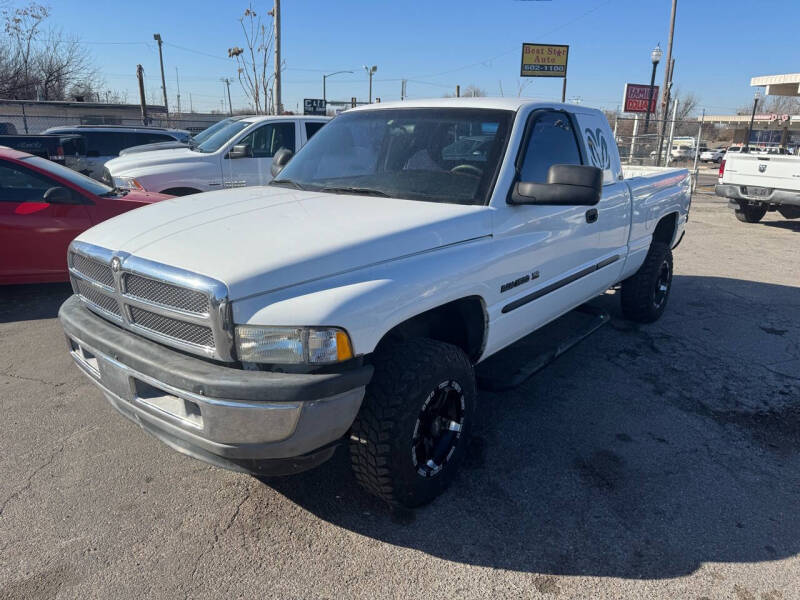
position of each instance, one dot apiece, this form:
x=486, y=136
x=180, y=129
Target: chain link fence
x=19, y=123
x=660, y=142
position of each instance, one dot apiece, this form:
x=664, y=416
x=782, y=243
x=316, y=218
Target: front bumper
x=254, y=421
x=777, y=197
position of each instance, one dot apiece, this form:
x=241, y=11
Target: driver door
x=262, y=143
x=34, y=234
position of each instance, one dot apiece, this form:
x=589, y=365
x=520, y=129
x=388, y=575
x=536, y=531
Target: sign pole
x=564, y=90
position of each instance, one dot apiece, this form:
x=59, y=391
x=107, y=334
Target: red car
x=43, y=207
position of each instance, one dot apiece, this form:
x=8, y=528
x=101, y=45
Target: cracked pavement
x=648, y=461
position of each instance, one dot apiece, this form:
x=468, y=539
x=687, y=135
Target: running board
x=495, y=375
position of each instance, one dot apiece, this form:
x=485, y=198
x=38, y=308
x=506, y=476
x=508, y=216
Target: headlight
x=127, y=183
x=292, y=345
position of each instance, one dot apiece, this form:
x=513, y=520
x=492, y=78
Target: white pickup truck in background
x=755, y=183
x=238, y=154
x=348, y=301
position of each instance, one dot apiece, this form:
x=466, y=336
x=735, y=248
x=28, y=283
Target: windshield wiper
x=115, y=191
x=355, y=190
x=289, y=182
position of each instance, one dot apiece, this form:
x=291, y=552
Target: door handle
x=591, y=215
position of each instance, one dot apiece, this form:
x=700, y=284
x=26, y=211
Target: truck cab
x=238, y=154
x=348, y=301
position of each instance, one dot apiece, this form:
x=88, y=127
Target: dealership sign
x=544, y=60
x=635, y=99
x=314, y=106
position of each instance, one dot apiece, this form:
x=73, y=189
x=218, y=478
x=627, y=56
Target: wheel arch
x=180, y=191
x=462, y=322
x=666, y=228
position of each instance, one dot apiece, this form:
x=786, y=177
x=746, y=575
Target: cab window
x=552, y=142
x=265, y=141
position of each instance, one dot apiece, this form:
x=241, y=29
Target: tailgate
x=769, y=171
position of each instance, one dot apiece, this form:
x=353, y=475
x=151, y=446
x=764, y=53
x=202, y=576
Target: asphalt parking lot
x=648, y=461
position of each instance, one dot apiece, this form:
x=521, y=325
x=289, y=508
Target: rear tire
x=747, y=213
x=410, y=435
x=644, y=295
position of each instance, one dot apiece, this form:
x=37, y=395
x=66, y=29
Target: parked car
x=65, y=149
x=347, y=302
x=104, y=142
x=713, y=155
x=43, y=206
x=236, y=155
x=193, y=140
x=757, y=183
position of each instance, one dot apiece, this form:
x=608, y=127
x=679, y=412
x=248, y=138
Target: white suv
x=236, y=155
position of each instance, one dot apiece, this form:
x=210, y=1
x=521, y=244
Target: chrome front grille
x=188, y=332
x=94, y=295
x=165, y=294
x=92, y=269
x=169, y=305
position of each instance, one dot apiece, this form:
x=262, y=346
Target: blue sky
x=436, y=45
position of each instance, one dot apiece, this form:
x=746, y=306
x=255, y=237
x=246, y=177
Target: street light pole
x=324, y=77
x=655, y=57
x=370, y=71
x=756, y=97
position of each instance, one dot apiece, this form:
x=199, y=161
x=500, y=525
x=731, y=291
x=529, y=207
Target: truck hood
x=260, y=239
x=140, y=160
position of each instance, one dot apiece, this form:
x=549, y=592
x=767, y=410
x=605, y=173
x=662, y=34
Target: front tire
x=410, y=435
x=747, y=213
x=645, y=294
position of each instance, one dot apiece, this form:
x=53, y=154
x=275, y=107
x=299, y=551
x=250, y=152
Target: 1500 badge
x=518, y=282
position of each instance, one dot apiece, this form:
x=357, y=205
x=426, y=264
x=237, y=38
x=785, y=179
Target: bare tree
x=253, y=60
x=471, y=91
x=40, y=62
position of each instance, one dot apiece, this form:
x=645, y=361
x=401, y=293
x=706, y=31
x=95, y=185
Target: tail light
x=721, y=168
x=59, y=155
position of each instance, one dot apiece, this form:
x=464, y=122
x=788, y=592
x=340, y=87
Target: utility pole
x=276, y=17
x=403, y=83
x=191, y=105
x=669, y=65
x=157, y=37
x=227, y=82
x=667, y=97
x=178, y=86
x=458, y=91
x=142, y=101
x=697, y=150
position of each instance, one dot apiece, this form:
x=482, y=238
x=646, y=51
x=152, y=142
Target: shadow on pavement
x=32, y=302
x=788, y=225
x=644, y=452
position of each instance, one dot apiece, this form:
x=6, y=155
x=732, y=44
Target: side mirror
x=280, y=160
x=59, y=195
x=567, y=185
x=240, y=151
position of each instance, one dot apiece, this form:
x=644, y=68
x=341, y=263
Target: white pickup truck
x=237, y=154
x=349, y=300
x=760, y=182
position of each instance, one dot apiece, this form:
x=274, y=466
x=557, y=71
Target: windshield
x=82, y=181
x=433, y=154
x=218, y=139
x=209, y=131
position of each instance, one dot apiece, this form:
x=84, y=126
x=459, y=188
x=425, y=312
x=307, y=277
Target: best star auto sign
x=544, y=60
x=635, y=99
